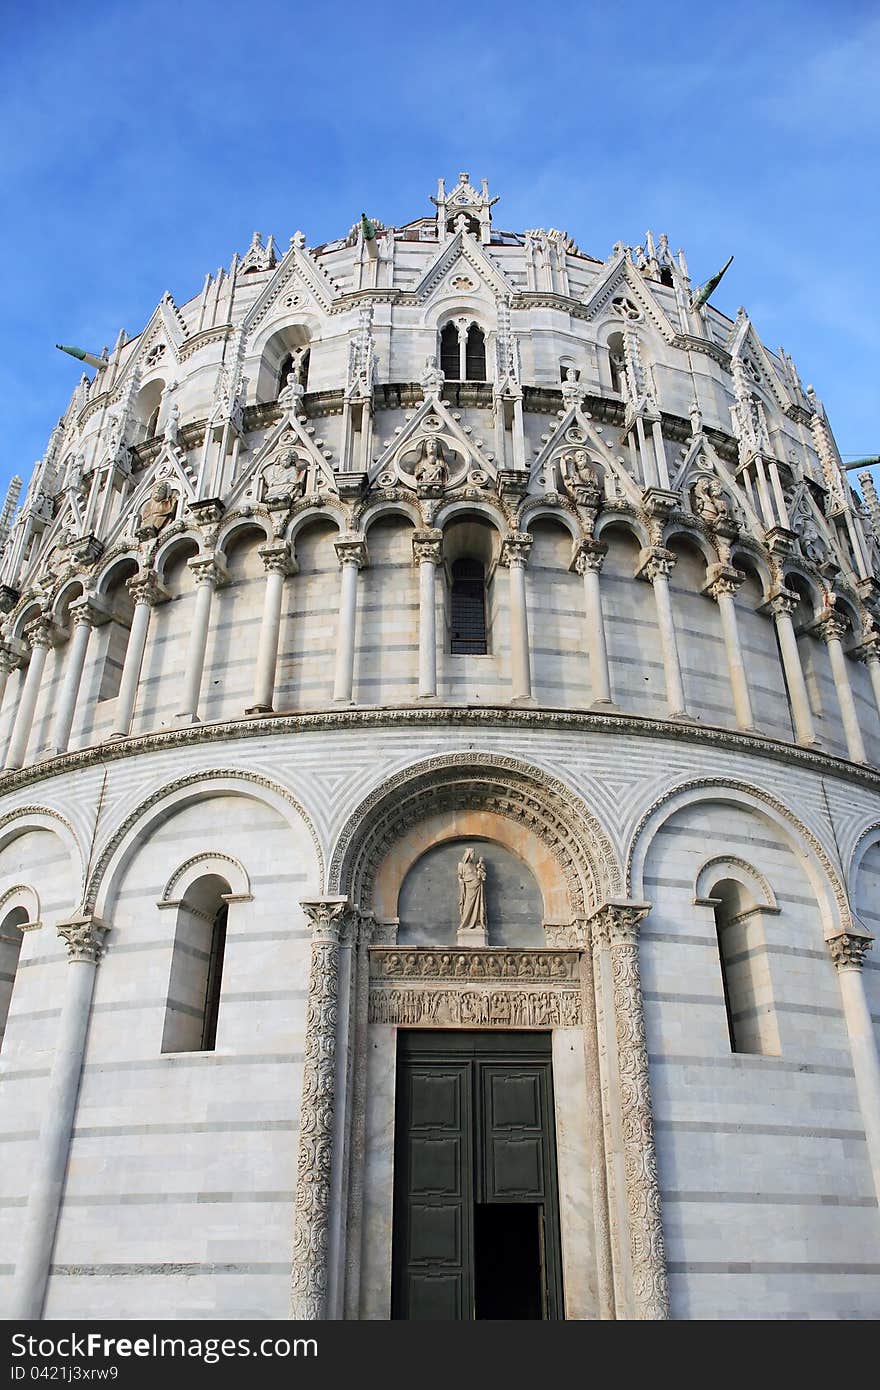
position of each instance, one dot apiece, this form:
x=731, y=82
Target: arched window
x=10, y=950
x=463, y=355
x=475, y=354
x=193, y=1006
x=745, y=975
x=450, y=364
x=468, y=609
x=617, y=363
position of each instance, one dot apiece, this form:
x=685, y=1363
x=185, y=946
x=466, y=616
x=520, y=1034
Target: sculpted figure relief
x=285, y=477
x=710, y=502
x=431, y=470
x=581, y=479
x=471, y=892
x=157, y=511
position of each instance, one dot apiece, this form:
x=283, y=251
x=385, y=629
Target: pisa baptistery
x=440, y=823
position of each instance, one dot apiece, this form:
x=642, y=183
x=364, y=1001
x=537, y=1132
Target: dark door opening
x=476, y=1221
x=508, y=1278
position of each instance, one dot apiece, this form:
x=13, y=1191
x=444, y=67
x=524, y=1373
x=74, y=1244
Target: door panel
x=476, y=1225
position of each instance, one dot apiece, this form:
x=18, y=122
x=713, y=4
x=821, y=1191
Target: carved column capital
x=617, y=923
x=84, y=936
x=868, y=649
x=848, y=950
x=208, y=569
x=351, y=549
x=146, y=587
x=427, y=546
x=831, y=627
x=782, y=602
x=723, y=579
x=277, y=559
x=89, y=611
x=515, y=549
x=657, y=561
x=589, y=556
x=10, y=660
x=41, y=631
x=327, y=917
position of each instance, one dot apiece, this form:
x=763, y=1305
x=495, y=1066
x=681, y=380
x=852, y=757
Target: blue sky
x=143, y=143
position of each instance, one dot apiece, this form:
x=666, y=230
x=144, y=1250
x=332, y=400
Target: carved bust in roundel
x=431, y=469
x=284, y=477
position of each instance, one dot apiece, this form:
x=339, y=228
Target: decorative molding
x=733, y=784
x=481, y=780
x=211, y=859
x=475, y=963
x=476, y=1008
x=206, y=777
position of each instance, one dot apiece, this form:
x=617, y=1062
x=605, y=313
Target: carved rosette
x=427, y=547
x=328, y=917
x=84, y=937
x=615, y=928
x=848, y=951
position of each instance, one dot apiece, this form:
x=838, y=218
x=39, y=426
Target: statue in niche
x=292, y=391
x=432, y=379
x=285, y=477
x=580, y=478
x=472, y=897
x=431, y=470
x=171, y=432
x=157, y=511
x=710, y=502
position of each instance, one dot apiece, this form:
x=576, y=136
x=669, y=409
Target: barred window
x=468, y=609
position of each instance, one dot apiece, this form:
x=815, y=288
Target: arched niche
x=428, y=901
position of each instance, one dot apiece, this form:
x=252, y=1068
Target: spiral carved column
x=614, y=932
x=315, y=1161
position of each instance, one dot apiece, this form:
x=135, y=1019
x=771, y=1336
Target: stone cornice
x=453, y=717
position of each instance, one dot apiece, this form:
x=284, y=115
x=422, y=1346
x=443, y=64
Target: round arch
x=831, y=895
x=541, y=511
x=379, y=511
x=464, y=782
x=487, y=510
x=679, y=531
x=174, y=796
x=310, y=515
x=24, y=818
x=623, y=521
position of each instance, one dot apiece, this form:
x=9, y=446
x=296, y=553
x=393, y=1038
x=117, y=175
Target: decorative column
x=352, y=553
x=146, y=591
x=723, y=582
x=9, y=661
x=316, y=1117
x=515, y=555
x=848, y=951
x=84, y=936
x=278, y=564
x=868, y=651
x=640, y=1273
x=427, y=553
x=588, y=561
x=208, y=574
x=656, y=566
x=39, y=634
x=782, y=603
x=831, y=627
x=85, y=614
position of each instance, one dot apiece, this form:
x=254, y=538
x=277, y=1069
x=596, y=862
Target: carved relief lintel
x=848, y=950
x=84, y=936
